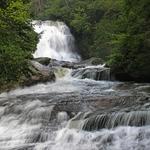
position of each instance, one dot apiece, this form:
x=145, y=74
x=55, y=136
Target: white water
x=27, y=119
x=122, y=138
x=56, y=41
x=25, y=123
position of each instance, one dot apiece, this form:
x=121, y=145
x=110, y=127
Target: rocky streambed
x=84, y=109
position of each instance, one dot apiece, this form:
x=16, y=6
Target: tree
x=117, y=31
x=17, y=40
x=132, y=52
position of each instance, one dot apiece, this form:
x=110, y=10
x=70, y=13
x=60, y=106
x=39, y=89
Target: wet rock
x=147, y=105
x=112, y=120
x=37, y=73
x=66, y=64
x=43, y=60
x=89, y=62
x=95, y=73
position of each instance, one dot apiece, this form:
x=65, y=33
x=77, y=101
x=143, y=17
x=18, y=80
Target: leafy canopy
x=17, y=39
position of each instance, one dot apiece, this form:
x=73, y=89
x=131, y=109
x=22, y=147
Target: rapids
x=39, y=117
x=74, y=113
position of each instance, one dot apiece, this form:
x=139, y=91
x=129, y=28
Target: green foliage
x=92, y=22
x=17, y=40
x=133, y=41
x=119, y=29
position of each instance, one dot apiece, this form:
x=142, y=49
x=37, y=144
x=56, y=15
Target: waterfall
x=56, y=41
x=77, y=111
x=98, y=72
x=135, y=118
x=90, y=122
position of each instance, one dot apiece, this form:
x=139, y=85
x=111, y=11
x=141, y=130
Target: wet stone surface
x=35, y=115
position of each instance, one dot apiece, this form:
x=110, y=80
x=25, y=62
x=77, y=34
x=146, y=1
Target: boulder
x=43, y=60
x=59, y=63
x=37, y=73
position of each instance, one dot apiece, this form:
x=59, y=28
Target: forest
x=116, y=31
x=17, y=40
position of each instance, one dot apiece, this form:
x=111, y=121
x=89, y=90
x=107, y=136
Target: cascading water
x=74, y=113
x=39, y=118
x=94, y=122
x=93, y=72
x=56, y=41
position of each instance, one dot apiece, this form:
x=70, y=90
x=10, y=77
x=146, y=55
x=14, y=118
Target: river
x=74, y=113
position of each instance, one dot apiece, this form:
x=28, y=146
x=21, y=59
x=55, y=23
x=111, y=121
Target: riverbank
x=35, y=73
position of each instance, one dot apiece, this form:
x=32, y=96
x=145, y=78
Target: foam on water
x=31, y=125
x=122, y=138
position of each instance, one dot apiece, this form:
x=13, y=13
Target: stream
x=74, y=113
